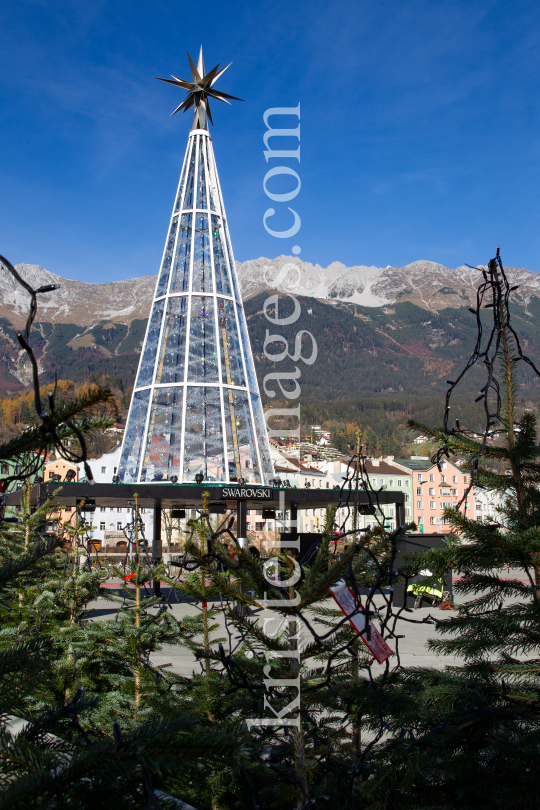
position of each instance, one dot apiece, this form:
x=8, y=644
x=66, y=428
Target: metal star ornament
x=200, y=91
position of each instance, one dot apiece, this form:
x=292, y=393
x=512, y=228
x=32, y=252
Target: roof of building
x=298, y=467
x=426, y=464
x=415, y=463
x=383, y=468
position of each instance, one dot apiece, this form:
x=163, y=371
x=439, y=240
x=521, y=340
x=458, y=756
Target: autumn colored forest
x=18, y=411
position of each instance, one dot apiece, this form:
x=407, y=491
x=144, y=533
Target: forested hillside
x=375, y=367
x=378, y=367
x=364, y=351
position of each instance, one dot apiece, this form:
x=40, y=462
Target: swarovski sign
x=243, y=493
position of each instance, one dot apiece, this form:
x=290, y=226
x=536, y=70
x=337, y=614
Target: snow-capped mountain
x=83, y=329
x=424, y=283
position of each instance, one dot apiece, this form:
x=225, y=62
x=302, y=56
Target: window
x=391, y=482
x=115, y=469
x=407, y=497
x=68, y=508
x=431, y=477
x=327, y=485
x=407, y=482
x=432, y=504
x=142, y=510
x=478, y=507
x=119, y=526
x=454, y=479
x=407, y=512
x=419, y=476
x=248, y=511
x=111, y=509
x=455, y=493
x=313, y=481
x=119, y=510
x=432, y=520
x=419, y=504
x=306, y=483
x=270, y=526
x=259, y=527
x=443, y=479
x=258, y=512
x=418, y=490
x=381, y=482
x=446, y=505
x=194, y=513
x=467, y=506
x=102, y=526
x=248, y=463
x=102, y=508
x=4, y=469
x=104, y=470
x=465, y=479
x=432, y=490
x=399, y=482
x=248, y=525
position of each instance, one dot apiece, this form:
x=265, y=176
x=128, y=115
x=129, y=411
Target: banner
x=346, y=601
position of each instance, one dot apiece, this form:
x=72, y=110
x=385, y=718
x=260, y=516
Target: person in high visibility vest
x=419, y=587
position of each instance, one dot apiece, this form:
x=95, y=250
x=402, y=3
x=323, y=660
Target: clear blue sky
x=419, y=128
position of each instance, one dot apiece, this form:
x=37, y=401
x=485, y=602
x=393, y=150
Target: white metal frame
x=200, y=141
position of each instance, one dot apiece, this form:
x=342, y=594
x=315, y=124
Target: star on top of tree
x=200, y=91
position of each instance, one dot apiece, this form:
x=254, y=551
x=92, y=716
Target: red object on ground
x=129, y=576
x=346, y=601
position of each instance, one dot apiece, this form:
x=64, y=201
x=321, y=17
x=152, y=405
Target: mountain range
x=377, y=329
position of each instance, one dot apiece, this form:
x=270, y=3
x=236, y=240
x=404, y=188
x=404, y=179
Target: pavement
x=413, y=625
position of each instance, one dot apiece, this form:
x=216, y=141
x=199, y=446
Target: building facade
x=383, y=474
x=110, y=521
x=436, y=490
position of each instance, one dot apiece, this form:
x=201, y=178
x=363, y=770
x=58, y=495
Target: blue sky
x=419, y=128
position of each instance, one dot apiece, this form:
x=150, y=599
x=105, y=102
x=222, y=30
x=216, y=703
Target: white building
x=330, y=474
x=109, y=521
x=486, y=504
x=382, y=473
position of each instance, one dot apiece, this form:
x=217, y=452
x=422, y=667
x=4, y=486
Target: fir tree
x=64, y=677
x=261, y=675
x=469, y=735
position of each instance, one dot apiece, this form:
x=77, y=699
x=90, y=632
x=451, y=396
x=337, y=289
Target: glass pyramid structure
x=196, y=407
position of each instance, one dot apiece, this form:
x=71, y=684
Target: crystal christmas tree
x=196, y=407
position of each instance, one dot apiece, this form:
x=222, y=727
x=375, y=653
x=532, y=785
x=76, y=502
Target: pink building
x=434, y=491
